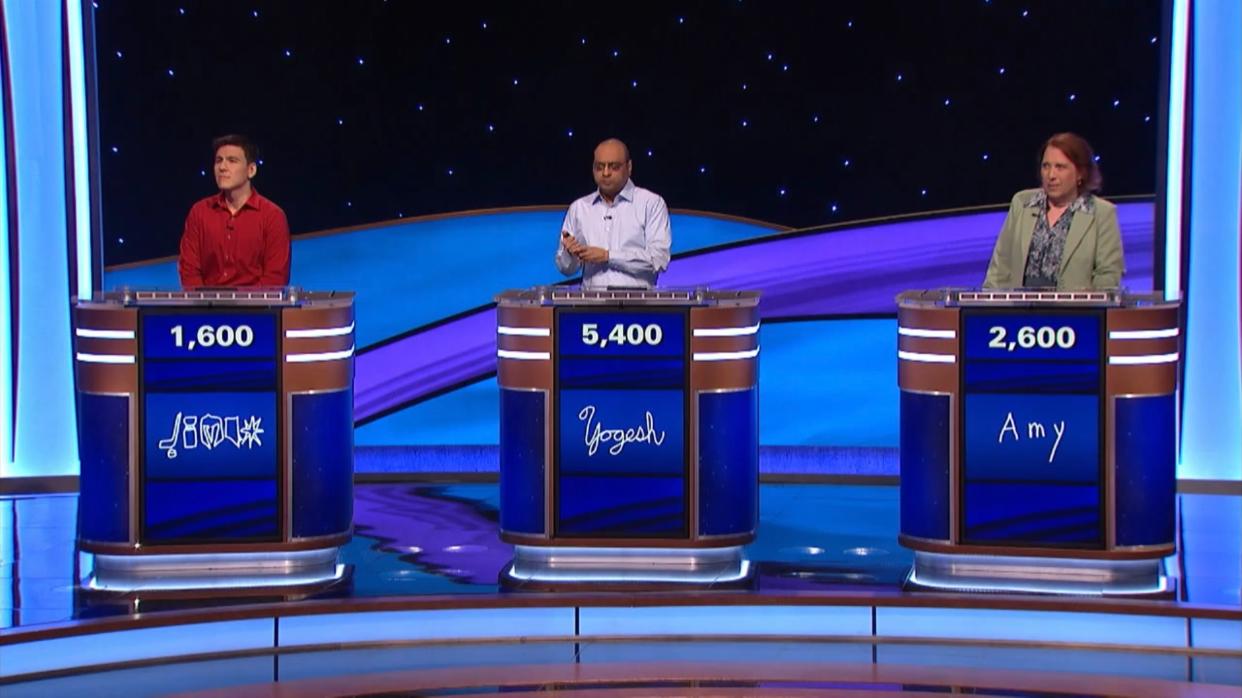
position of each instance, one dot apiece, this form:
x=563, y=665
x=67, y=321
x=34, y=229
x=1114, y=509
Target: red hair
x=1078, y=151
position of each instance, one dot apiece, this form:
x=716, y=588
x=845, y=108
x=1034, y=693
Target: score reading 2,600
x=621, y=334
x=1031, y=337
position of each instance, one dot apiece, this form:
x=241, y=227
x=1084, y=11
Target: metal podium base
x=204, y=571
x=1038, y=575
x=562, y=566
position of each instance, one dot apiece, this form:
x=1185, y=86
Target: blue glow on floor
x=826, y=382
x=410, y=274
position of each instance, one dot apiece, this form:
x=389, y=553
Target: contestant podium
x=1037, y=439
x=216, y=437
x=628, y=434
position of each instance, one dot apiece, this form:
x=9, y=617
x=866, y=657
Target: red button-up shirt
x=247, y=248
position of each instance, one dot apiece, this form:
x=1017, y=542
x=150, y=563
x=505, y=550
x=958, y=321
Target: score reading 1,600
x=1032, y=337
x=621, y=334
x=213, y=336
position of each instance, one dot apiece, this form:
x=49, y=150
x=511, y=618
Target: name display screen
x=1032, y=445
x=621, y=447
x=210, y=383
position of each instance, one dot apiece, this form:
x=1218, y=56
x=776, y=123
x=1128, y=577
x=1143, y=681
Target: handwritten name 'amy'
x=1034, y=430
x=597, y=434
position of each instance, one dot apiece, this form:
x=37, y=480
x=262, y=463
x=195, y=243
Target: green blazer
x=1092, y=256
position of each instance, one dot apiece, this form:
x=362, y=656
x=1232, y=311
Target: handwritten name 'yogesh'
x=596, y=434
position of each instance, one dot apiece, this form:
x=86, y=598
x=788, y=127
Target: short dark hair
x=247, y=146
x=1078, y=151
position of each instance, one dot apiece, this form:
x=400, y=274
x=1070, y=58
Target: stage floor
x=417, y=540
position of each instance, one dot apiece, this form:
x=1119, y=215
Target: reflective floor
x=614, y=669
x=418, y=539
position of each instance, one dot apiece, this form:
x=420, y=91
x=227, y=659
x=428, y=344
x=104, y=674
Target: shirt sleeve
x=276, y=250
x=189, y=262
x=565, y=262
x=658, y=239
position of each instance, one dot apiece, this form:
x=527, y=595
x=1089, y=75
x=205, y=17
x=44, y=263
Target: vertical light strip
x=81, y=212
x=1212, y=393
x=6, y=378
x=45, y=438
x=1176, y=155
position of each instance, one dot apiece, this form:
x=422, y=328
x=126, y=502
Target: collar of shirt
x=254, y=201
x=1084, y=202
x=626, y=193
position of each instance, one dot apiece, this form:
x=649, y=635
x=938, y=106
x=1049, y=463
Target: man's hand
x=594, y=255
x=571, y=244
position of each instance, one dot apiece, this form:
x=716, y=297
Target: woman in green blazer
x=1061, y=235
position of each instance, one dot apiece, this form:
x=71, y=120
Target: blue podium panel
x=620, y=439
x=728, y=462
x=1146, y=469
x=522, y=428
x=1031, y=428
x=925, y=465
x=323, y=472
x=103, y=442
x=210, y=383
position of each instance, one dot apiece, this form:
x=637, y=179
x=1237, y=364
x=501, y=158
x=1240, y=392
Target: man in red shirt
x=235, y=237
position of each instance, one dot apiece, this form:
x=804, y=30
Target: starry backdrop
x=798, y=113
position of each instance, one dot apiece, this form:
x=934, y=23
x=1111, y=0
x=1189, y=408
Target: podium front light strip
x=726, y=355
x=105, y=358
x=524, y=331
x=1143, y=360
x=523, y=355
x=726, y=331
x=926, y=358
x=322, y=356
x=1143, y=334
x=320, y=332
x=930, y=334
x=104, y=334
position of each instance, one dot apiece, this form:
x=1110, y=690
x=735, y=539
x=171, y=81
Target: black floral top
x=1043, y=260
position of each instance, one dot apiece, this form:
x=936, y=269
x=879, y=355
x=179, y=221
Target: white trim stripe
x=726, y=331
x=319, y=332
x=524, y=331
x=103, y=334
x=321, y=356
x=931, y=334
x=105, y=358
x=726, y=355
x=523, y=355
x=926, y=358
x=1143, y=334
x=1142, y=360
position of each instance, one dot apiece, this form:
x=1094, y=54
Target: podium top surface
x=577, y=296
x=1028, y=297
x=288, y=296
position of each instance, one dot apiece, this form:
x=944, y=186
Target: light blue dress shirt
x=634, y=230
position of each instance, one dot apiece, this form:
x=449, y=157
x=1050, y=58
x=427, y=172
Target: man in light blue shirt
x=618, y=235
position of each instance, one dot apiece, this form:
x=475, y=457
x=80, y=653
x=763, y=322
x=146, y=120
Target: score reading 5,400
x=213, y=336
x=621, y=334
x=1031, y=337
